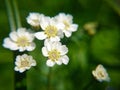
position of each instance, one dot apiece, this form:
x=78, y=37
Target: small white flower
x=20, y=40
x=51, y=29
x=100, y=73
x=34, y=19
x=67, y=20
x=56, y=53
x=24, y=62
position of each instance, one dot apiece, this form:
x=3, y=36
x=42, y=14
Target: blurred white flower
x=67, y=20
x=56, y=53
x=51, y=29
x=24, y=62
x=34, y=19
x=20, y=40
x=101, y=74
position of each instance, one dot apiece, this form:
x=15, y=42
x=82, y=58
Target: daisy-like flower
x=101, y=74
x=20, y=40
x=34, y=19
x=56, y=53
x=51, y=29
x=67, y=20
x=24, y=62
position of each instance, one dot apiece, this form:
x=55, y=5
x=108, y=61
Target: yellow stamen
x=51, y=31
x=54, y=55
x=22, y=41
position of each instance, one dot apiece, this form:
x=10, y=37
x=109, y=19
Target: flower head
x=20, y=40
x=34, y=19
x=51, y=29
x=24, y=62
x=90, y=27
x=56, y=53
x=100, y=73
x=66, y=19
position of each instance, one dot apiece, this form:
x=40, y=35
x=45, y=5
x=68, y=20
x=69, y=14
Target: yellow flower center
x=51, y=31
x=24, y=63
x=101, y=74
x=54, y=55
x=22, y=41
x=67, y=25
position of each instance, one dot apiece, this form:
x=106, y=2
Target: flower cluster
x=53, y=29
x=21, y=40
x=101, y=74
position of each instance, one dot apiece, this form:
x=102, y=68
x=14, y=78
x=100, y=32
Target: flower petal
x=59, y=62
x=40, y=35
x=65, y=59
x=63, y=50
x=48, y=44
x=45, y=51
x=13, y=36
x=73, y=27
x=68, y=33
x=9, y=44
x=50, y=63
x=56, y=38
x=31, y=47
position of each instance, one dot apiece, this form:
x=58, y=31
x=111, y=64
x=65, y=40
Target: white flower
x=100, y=73
x=20, y=40
x=51, y=29
x=24, y=62
x=34, y=19
x=56, y=53
x=67, y=20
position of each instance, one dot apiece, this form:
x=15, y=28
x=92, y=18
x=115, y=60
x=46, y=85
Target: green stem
x=17, y=15
x=19, y=78
x=10, y=15
x=49, y=79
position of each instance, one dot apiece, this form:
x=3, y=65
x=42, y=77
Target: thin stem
x=49, y=79
x=10, y=15
x=17, y=15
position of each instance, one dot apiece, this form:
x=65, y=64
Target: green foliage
x=85, y=51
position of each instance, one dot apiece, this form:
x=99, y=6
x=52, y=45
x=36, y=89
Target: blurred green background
x=86, y=50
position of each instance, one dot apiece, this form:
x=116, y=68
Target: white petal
x=44, y=22
x=22, y=70
x=33, y=63
x=48, y=44
x=60, y=26
x=50, y=63
x=21, y=49
x=73, y=27
x=21, y=31
x=63, y=50
x=56, y=38
x=9, y=44
x=59, y=62
x=68, y=33
x=45, y=51
x=16, y=69
x=40, y=35
x=13, y=36
x=60, y=34
x=65, y=59
x=31, y=47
